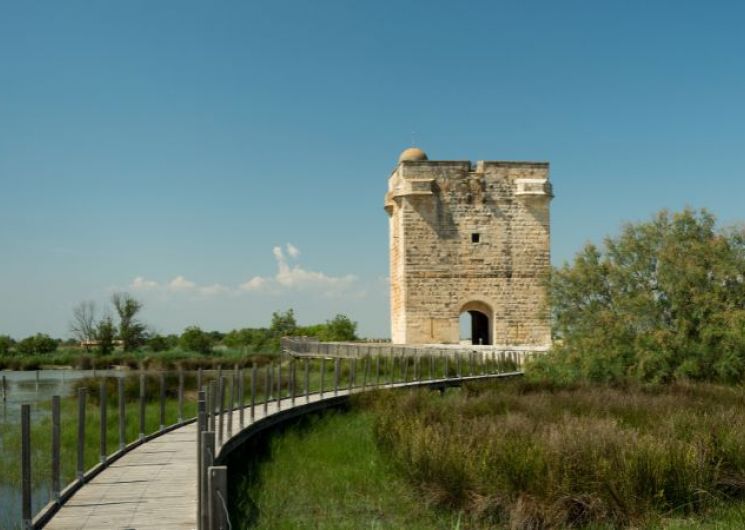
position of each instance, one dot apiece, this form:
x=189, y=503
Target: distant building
x=470, y=239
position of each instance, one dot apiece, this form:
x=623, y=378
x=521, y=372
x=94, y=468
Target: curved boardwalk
x=154, y=486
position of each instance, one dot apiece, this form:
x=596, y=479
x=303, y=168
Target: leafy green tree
x=663, y=300
x=340, y=328
x=39, y=343
x=105, y=334
x=6, y=344
x=158, y=343
x=132, y=332
x=283, y=324
x=196, y=340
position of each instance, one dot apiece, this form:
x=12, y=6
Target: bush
x=569, y=457
x=39, y=343
x=6, y=344
x=196, y=340
x=664, y=300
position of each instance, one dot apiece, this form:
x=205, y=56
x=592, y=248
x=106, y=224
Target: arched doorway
x=475, y=324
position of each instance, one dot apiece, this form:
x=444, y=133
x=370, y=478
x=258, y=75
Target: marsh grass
x=522, y=455
x=326, y=472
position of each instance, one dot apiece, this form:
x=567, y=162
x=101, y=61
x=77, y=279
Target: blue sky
x=170, y=148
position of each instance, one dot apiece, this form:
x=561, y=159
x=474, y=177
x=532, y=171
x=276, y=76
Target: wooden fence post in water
x=5, y=389
x=218, y=491
x=122, y=417
x=102, y=420
x=181, y=395
x=56, y=488
x=81, y=433
x=142, y=406
x=26, y=465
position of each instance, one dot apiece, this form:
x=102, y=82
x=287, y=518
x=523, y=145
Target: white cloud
x=289, y=276
x=179, y=283
x=254, y=284
x=141, y=284
x=292, y=250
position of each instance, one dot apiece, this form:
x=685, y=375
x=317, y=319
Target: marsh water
x=35, y=388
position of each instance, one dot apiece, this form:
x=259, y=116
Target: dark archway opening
x=474, y=330
x=479, y=327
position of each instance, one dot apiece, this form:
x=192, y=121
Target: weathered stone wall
x=438, y=271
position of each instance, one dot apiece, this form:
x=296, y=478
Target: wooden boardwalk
x=154, y=486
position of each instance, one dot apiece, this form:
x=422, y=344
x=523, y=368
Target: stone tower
x=473, y=239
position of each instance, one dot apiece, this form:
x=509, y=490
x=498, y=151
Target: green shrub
x=569, y=457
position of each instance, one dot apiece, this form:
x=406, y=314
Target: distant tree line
x=104, y=333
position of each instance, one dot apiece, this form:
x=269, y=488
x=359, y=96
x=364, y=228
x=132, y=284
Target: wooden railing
x=307, y=372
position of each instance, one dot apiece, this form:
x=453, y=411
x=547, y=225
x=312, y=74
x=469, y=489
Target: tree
x=664, y=300
x=83, y=326
x=105, y=334
x=283, y=324
x=39, y=343
x=159, y=343
x=6, y=344
x=196, y=340
x=132, y=332
x=340, y=328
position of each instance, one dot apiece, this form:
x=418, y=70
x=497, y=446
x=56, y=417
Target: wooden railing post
x=142, y=406
x=81, y=433
x=231, y=405
x=181, y=395
x=253, y=392
x=218, y=491
x=241, y=396
x=201, y=427
x=26, y=465
x=102, y=421
x=162, y=400
x=457, y=368
x=292, y=379
x=323, y=374
x=220, y=408
x=306, y=379
x=199, y=379
x=352, y=364
x=56, y=438
x=336, y=375
x=377, y=368
x=268, y=373
x=279, y=383
x=122, y=417
x=207, y=459
x=213, y=406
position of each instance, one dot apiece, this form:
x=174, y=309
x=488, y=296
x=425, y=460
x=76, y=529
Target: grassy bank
x=510, y=456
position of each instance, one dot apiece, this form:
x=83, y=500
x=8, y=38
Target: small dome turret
x=412, y=153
